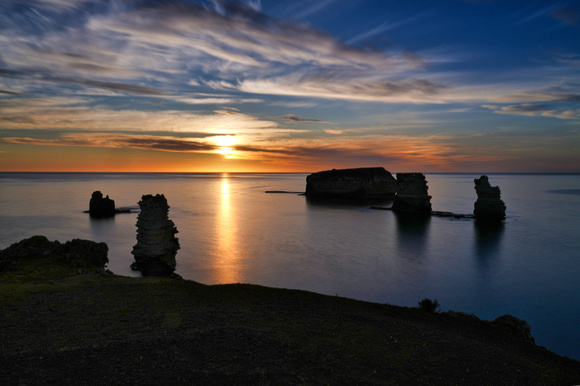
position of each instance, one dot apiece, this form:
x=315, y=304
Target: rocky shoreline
x=64, y=324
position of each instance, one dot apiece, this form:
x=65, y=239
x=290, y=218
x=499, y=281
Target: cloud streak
x=295, y=118
x=529, y=109
x=143, y=142
x=334, y=86
x=114, y=86
x=79, y=113
x=568, y=14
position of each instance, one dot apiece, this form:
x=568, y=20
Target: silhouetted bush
x=429, y=306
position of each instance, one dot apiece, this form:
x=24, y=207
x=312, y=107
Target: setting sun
x=225, y=142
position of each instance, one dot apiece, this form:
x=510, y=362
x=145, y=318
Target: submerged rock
x=156, y=242
x=488, y=205
x=412, y=194
x=101, y=207
x=374, y=182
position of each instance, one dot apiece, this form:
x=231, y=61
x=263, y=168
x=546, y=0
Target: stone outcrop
x=359, y=183
x=100, y=206
x=84, y=255
x=156, y=242
x=412, y=194
x=488, y=206
x=518, y=327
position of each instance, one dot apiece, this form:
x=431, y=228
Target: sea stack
x=101, y=207
x=156, y=242
x=412, y=194
x=488, y=206
x=359, y=183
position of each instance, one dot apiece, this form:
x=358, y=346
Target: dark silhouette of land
x=63, y=325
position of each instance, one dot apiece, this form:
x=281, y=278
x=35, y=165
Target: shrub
x=429, y=306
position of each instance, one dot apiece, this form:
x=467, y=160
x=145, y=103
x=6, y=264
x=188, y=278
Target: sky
x=289, y=86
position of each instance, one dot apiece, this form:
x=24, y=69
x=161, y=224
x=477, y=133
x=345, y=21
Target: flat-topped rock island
x=359, y=183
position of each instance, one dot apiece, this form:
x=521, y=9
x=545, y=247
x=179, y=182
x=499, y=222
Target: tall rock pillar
x=156, y=242
x=412, y=194
x=488, y=206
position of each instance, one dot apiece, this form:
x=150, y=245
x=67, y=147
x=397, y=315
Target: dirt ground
x=106, y=329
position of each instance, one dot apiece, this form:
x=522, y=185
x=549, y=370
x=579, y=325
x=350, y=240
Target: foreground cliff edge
x=65, y=319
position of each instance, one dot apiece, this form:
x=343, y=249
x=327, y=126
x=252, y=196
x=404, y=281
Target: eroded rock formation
x=520, y=328
x=84, y=255
x=100, y=206
x=375, y=182
x=412, y=194
x=156, y=242
x=488, y=205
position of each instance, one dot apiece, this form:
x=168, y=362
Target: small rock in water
x=156, y=242
x=101, y=207
x=488, y=206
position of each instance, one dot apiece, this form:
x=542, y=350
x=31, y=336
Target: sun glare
x=225, y=143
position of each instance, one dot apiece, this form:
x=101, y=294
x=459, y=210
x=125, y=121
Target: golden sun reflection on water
x=227, y=259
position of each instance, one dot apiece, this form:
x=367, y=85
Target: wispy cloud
x=567, y=14
x=299, y=104
x=295, y=118
x=146, y=142
x=383, y=27
x=308, y=8
x=241, y=45
x=8, y=92
x=426, y=152
x=172, y=47
x=561, y=92
x=537, y=13
x=535, y=110
x=79, y=113
x=113, y=86
x=216, y=100
x=557, y=101
x=341, y=86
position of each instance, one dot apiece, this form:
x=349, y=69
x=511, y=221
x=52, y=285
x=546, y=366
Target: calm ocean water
x=231, y=231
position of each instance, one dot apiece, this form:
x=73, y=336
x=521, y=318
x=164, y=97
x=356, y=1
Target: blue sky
x=430, y=86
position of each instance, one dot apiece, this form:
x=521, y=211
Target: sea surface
x=231, y=231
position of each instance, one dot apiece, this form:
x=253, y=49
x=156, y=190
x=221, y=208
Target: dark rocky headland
x=65, y=320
